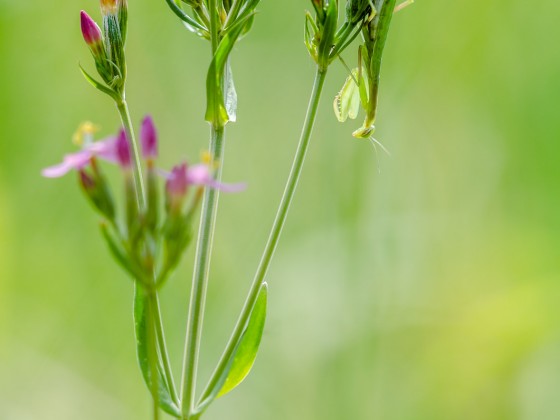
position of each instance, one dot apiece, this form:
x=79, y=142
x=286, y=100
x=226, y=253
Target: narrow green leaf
x=248, y=9
x=230, y=95
x=98, y=85
x=190, y=23
x=248, y=26
x=363, y=81
x=119, y=253
x=141, y=324
x=248, y=346
x=309, y=35
x=216, y=111
x=244, y=355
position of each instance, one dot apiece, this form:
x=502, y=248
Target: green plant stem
x=203, y=252
x=156, y=335
x=153, y=358
x=122, y=106
x=200, y=277
x=274, y=233
x=214, y=25
x=160, y=336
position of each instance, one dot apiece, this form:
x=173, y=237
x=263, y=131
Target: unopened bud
x=148, y=138
x=122, y=150
x=91, y=33
x=122, y=9
x=114, y=33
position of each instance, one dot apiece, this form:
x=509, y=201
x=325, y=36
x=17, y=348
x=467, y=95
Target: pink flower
x=114, y=149
x=105, y=149
x=182, y=176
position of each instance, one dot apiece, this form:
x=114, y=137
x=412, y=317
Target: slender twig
x=200, y=278
x=122, y=106
x=203, y=250
x=153, y=358
x=160, y=335
x=155, y=326
x=274, y=234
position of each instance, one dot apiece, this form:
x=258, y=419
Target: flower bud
x=148, y=138
x=91, y=33
x=114, y=32
x=122, y=150
x=122, y=8
x=109, y=7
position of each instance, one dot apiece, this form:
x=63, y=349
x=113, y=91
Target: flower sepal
x=96, y=189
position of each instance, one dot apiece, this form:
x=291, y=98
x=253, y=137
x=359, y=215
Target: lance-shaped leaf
x=141, y=324
x=380, y=25
x=190, y=23
x=383, y=22
x=310, y=33
x=248, y=346
x=120, y=254
x=230, y=94
x=216, y=110
x=243, y=357
x=98, y=85
x=248, y=9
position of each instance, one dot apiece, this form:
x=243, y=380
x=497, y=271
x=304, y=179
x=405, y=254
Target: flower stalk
x=200, y=277
x=140, y=190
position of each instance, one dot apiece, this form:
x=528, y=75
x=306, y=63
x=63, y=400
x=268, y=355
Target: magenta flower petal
x=90, y=30
x=105, y=149
x=177, y=183
x=182, y=176
x=122, y=150
x=148, y=138
x=227, y=188
x=56, y=171
x=200, y=175
x=71, y=161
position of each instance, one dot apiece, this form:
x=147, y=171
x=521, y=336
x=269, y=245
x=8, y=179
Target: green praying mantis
x=362, y=85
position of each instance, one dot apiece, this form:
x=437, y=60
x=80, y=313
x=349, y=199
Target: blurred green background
x=422, y=285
